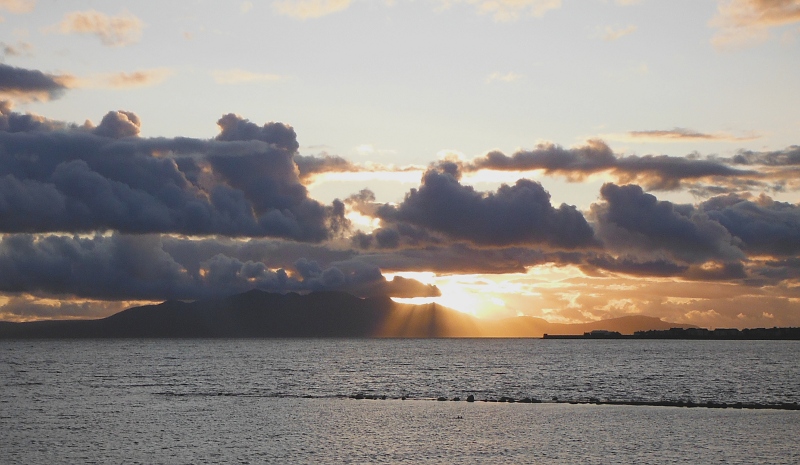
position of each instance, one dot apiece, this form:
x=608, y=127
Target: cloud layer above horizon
x=405, y=165
x=97, y=212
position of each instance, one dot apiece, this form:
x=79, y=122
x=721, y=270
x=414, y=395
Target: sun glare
x=497, y=295
x=465, y=293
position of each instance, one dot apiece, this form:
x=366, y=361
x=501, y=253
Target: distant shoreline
x=727, y=334
x=328, y=314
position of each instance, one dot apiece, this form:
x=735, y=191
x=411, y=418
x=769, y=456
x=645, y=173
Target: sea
x=297, y=401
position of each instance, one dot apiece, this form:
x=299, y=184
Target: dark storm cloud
x=728, y=237
x=30, y=84
x=234, y=127
x=656, y=172
x=11, y=121
x=764, y=226
x=360, y=278
x=553, y=159
x=717, y=272
x=513, y=215
x=775, y=271
x=79, y=179
x=632, y=266
x=732, y=186
x=309, y=165
x=463, y=258
x=274, y=253
x=397, y=236
x=790, y=156
x=124, y=267
x=632, y=221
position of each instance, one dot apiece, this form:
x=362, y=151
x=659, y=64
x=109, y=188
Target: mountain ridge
x=260, y=314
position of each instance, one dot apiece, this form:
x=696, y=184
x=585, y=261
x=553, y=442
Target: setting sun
x=471, y=294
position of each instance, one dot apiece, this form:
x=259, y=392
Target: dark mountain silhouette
x=318, y=314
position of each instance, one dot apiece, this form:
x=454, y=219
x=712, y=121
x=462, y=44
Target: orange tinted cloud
x=113, y=31
x=136, y=78
x=684, y=134
x=500, y=10
x=507, y=77
x=18, y=6
x=123, y=80
x=238, y=76
x=742, y=22
x=613, y=33
x=306, y=9
x=508, y=10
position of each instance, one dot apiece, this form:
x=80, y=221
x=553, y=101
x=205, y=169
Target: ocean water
x=289, y=401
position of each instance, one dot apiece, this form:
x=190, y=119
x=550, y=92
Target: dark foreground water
x=288, y=401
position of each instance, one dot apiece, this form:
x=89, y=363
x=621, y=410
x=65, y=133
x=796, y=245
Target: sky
x=563, y=159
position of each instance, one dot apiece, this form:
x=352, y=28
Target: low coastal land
x=725, y=334
x=258, y=314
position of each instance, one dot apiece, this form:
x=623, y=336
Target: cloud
x=238, y=76
x=611, y=34
x=60, y=177
x=463, y=258
x=724, y=229
x=513, y=215
x=26, y=307
x=141, y=78
x=508, y=77
x=717, y=272
x=360, y=279
x=12, y=122
x=790, y=156
x=306, y=9
x=658, y=172
x=683, y=135
x=764, y=226
x=18, y=49
x=745, y=22
x=113, y=31
x=140, y=267
x=310, y=165
x=185, y=218
x=630, y=221
x=235, y=128
x=779, y=170
x=26, y=85
x=553, y=159
x=501, y=10
x=18, y=6
x=631, y=265
x=274, y=253
x=509, y=10
x=734, y=185
x=118, y=124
